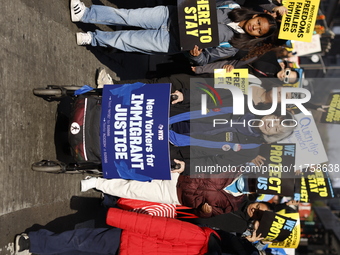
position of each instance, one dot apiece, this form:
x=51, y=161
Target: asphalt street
x=39, y=49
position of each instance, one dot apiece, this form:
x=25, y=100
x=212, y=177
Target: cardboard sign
x=305, y=48
x=309, y=146
x=299, y=23
x=293, y=240
x=197, y=24
x=275, y=227
x=314, y=186
x=237, y=77
x=332, y=114
x=277, y=172
x=134, y=131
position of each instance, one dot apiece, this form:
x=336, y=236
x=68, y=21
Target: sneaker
x=84, y=38
x=88, y=183
x=22, y=242
x=77, y=10
x=103, y=78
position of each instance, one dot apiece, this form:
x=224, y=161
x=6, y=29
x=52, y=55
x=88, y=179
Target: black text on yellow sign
x=237, y=77
x=317, y=184
x=333, y=112
x=314, y=186
x=278, y=225
x=273, y=182
x=304, y=193
x=299, y=23
x=195, y=18
x=292, y=241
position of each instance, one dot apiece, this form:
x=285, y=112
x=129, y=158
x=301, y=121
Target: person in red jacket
x=133, y=234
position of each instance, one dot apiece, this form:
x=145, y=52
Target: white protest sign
x=305, y=48
x=309, y=146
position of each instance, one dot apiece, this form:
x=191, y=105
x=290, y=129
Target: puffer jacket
x=152, y=235
x=195, y=192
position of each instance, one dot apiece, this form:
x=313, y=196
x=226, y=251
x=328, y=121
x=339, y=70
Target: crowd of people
x=225, y=220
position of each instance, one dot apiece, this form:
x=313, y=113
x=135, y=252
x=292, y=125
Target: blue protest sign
x=135, y=131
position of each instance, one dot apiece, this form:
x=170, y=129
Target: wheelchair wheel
x=47, y=92
x=47, y=166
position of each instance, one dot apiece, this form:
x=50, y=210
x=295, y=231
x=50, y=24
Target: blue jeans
x=92, y=241
x=155, y=36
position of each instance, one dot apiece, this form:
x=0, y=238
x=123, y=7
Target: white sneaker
x=103, y=78
x=77, y=10
x=84, y=38
x=88, y=183
x=22, y=244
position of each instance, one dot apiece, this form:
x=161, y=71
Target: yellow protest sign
x=295, y=85
x=237, y=77
x=197, y=21
x=276, y=227
x=299, y=23
x=304, y=198
x=294, y=238
x=332, y=114
x=315, y=184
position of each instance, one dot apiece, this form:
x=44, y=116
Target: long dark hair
x=246, y=41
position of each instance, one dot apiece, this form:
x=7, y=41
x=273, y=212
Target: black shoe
x=22, y=242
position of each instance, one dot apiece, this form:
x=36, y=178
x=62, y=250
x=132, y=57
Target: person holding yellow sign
x=239, y=28
x=265, y=66
x=160, y=34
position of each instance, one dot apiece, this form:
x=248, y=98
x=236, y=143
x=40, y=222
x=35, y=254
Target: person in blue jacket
x=238, y=28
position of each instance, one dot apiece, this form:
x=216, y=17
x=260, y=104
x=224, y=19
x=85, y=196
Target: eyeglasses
x=286, y=79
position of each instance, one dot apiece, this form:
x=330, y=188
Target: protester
x=241, y=147
x=240, y=28
x=165, y=191
x=182, y=81
x=203, y=149
x=237, y=220
x=136, y=234
x=265, y=66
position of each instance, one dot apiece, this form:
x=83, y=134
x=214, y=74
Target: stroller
x=83, y=130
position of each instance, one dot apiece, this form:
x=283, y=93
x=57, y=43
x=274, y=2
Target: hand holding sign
x=281, y=9
x=181, y=168
x=178, y=96
x=228, y=68
x=259, y=160
x=322, y=108
x=196, y=51
x=254, y=237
